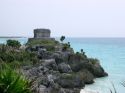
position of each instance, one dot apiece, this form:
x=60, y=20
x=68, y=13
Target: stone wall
x=30, y=39
x=41, y=33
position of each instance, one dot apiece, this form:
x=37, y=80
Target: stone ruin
x=42, y=34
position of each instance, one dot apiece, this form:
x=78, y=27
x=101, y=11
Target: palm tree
x=82, y=52
x=62, y=38
x=12, y=81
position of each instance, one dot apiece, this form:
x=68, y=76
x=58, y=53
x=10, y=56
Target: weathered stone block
x=42, y=33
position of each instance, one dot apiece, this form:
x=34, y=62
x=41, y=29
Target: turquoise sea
x=110, y=52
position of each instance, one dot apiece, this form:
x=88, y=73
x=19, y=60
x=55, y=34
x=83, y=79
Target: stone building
x=42, y=33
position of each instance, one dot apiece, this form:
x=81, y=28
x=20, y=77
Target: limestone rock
x=70, y=81
x=64, y=68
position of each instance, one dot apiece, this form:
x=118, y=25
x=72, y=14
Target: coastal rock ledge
x=59, y=69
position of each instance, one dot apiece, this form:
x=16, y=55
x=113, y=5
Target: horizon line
x=56, y=37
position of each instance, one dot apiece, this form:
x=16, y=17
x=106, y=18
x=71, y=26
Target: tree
x=82, y=51
x=62, y=38
x=13, y=43
x=69, y=44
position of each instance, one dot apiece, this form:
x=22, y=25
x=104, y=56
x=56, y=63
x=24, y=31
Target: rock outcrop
x=61, y=71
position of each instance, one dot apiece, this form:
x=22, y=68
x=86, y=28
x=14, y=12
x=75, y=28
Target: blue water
x=22, y=40
x=110, y=52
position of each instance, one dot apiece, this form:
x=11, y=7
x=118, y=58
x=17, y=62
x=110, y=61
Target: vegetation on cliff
x=52, y=66
x=49, y=44
x=16, y=57
x=13, y=43
x=62, y=38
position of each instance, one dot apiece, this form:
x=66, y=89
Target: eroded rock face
x=64, y=68
x=42, y=54
x=70, y=81
x=50, y=64
x=87, y=76
x=98, y=71
x=59, y=75
x=77, y=62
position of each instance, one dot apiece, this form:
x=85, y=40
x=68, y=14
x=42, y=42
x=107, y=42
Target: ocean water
x=110, y=52
x=21, y=40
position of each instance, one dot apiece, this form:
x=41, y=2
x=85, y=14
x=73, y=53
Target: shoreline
x=89, y=91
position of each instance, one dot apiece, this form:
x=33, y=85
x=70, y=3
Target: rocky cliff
x=60, y=69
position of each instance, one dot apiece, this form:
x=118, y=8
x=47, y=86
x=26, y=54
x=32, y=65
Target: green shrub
x=80, y=55
x=69, y=44
x=7, y=56
x=65, y=46
x=93, y=60
x=40, y=42
x=13, y=43
x=57, y=42
x=22, y=57
x=13, y=82
x=3, y=48
x=50, y=47
x=14, y=64
x=48, y=44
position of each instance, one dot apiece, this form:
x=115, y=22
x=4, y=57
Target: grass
x=41, y=42
x=48, y=44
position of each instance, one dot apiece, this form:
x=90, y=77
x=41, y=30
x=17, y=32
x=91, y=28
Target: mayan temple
x=40, y=34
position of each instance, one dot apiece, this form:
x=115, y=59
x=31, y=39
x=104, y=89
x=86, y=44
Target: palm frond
x=13, y=82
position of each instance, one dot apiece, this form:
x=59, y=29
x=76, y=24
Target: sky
x=72, y=18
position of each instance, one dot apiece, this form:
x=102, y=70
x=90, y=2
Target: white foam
x=89, y=91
